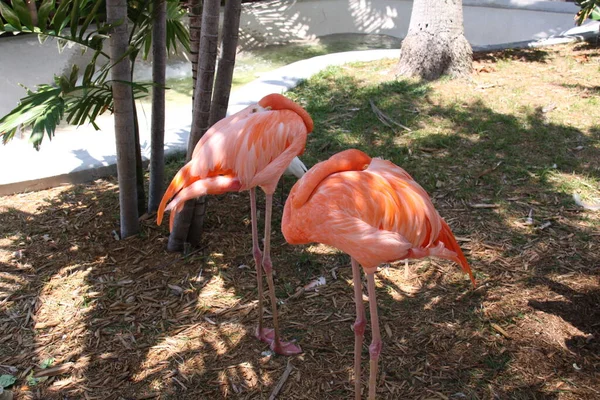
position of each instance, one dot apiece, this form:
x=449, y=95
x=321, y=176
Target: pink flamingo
x=248, y=149
x=374, y=211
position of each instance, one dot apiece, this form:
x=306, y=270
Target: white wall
x=486, y=21
x=23, y=60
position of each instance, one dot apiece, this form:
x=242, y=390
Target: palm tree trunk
x=201, y=109
x=435, y=44
x=231, y=26
x=206, y=72
x=195, y=15
x=159, y=65
x=116, y=12
x=139, y=166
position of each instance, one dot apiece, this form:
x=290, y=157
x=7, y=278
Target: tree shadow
x=579, y=308
x=137, y=321
x=527, y=55
x=121, y=318
x=584, y=90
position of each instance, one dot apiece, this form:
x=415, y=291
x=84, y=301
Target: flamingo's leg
x=359, y=325
x=375, y=347
x=257, y=261
x=276, y=345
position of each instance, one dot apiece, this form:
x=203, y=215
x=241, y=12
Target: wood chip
x=47, y=324
x=487, y=171
x=58, y=370
x=500, y=330
x=147, y=396
x=284, y=377
x=482, y=205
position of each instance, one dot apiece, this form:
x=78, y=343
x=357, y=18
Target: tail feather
x=181, y=179
x=186, y=187
x=447, y=237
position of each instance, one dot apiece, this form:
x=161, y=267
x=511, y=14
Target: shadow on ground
x=125, y=319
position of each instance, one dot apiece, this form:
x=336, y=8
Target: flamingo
x=248, y=149
x=374, y=211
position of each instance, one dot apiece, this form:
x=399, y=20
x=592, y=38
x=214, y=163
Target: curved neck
x=349, y=160
x=278, y=102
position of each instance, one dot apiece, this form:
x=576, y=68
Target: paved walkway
x=83, y=154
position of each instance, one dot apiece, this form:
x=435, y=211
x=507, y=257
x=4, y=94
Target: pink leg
x=375, y=347
x=257, y=261
x=359, y=325
x=276, y=345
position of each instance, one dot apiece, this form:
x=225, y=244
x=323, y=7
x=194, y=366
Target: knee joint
x=375, y=349
x=359, y=327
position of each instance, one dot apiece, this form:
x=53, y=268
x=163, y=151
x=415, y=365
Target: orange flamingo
x=248, y=149
x=374, y=211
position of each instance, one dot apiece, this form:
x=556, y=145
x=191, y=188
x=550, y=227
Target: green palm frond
x=589, y=9
x=42, y=110
x=177, y=33
x=53, y=21
x=80, y=98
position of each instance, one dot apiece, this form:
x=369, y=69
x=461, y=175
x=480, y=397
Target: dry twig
x=387, y=121
x=284, y=377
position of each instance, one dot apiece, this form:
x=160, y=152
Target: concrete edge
x=526, y=5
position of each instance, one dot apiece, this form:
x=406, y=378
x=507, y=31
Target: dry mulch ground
x=86, y=316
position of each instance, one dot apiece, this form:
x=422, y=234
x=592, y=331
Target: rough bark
x=116, y=11
x=206, y=72
x=157, y=130
x=229, y=41
x=183, y=230
x=435, y=44
x=195, y=15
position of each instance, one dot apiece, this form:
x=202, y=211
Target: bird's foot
x=267, y=335
x=286, y=348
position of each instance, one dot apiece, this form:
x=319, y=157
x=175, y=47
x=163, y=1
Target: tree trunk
x=206, y=72
x=116, y=12
x=201, y=109
x=231, y=26
x=435, y=44
x=195, y=15
x=159, y=65
x=139, y=165
x=31, y=6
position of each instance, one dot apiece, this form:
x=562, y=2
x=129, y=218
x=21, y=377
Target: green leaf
x=47, y=363
x=74, y=75
x=74, y=22
x=44, y=12
x=23, y=12
x=595, y=15
x=10, y=16
x=32, y=381
x=93, y=13
x=7, y=380
x=60, y=17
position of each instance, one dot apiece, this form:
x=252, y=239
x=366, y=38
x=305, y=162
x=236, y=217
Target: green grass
x=457, y=132
x=251, y=63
